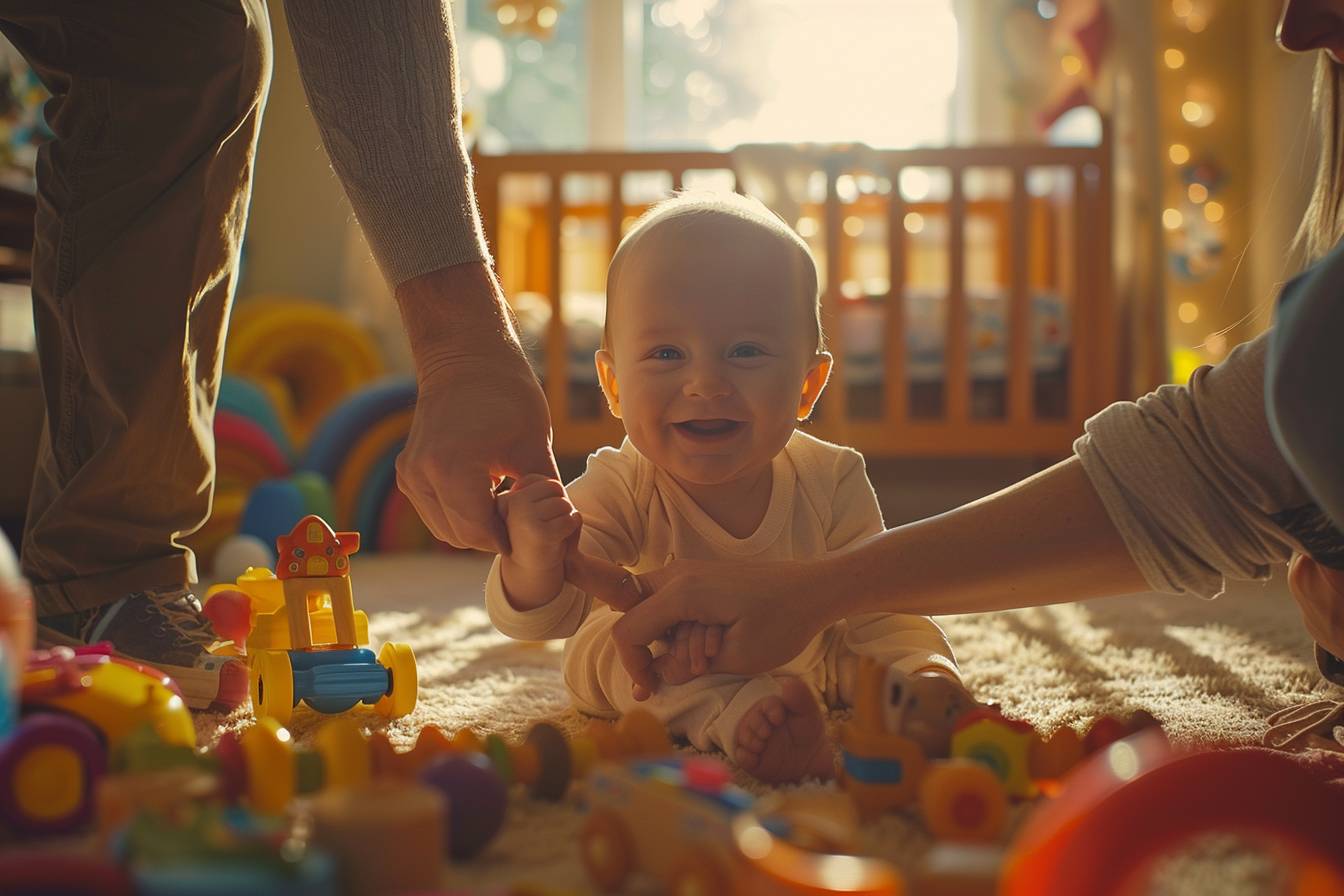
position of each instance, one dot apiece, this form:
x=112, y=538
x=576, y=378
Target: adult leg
x=142, y=199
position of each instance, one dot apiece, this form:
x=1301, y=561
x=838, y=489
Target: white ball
x=237, y=553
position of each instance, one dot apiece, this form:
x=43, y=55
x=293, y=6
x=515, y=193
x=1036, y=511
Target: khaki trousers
x=141, y=201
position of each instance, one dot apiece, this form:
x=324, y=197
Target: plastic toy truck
x=681, y=820
x=78, y=706
x=304, y=639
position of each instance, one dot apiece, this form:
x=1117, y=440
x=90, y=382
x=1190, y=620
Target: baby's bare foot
x=783, y=737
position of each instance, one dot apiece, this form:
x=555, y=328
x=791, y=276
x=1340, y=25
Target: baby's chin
x=715, y=470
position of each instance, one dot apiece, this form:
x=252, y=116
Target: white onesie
x=637, y=516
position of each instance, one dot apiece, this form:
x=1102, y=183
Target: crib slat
x=1081, y=338
x=896, y=389
x=1020, y=410
x=557, y=352
x=956, y=354
x=1082, y=258
x=615, y=213
x=1104, y=361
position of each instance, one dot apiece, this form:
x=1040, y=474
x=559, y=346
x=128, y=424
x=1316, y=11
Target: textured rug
x=1210, y=671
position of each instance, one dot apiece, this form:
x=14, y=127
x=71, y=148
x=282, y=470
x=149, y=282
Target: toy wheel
x=402, y=682
x=48, y=770
x=554, y=760
x=608, y=853
x=698, y=875
x=962, y=800
x=270, y=767
x=273, y=686
x=642, y=735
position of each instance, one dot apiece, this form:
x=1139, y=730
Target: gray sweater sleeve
x=1192, y=479
x=381, y=78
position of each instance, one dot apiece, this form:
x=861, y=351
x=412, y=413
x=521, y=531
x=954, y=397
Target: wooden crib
x=997, y=261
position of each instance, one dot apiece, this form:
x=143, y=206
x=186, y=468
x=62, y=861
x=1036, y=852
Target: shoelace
x=182, y=611
x=1294, y=725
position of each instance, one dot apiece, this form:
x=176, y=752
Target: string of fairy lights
x=1195, y=182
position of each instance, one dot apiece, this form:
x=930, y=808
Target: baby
x=711, y=355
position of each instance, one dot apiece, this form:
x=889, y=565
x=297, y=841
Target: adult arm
x=381, y=79
x=1171, y=493
x=1041, y=541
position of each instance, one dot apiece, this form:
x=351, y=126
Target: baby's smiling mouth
x=708, y=429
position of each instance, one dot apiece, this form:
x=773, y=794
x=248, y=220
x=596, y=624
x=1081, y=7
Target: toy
x=388, y=835
x=270, y=511
x=1137, y=798
x=305, y=356
x=680, y=819
x=1050, y=758
x=238, y=553
x=475, y=796
x=924, y=708
x=882, y=770
x=1002, y=745
x=78, y=705
x=203, y=849
x=306, y=638
x=962, y=799
x=903, y=727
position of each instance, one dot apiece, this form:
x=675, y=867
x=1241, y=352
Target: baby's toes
x=761, y=725
x=749, y=740
x=746, y=758
x=773, y=709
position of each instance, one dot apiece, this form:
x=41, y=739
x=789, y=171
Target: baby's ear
x=606, y=375
x=815, y=381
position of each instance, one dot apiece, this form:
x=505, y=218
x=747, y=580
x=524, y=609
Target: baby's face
x=712, y=350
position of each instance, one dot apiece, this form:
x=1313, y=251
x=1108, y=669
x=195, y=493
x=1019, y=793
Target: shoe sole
x=220, y=688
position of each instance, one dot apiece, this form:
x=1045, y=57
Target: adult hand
x=1319, y=592
x=480, y=414
x=769, y=611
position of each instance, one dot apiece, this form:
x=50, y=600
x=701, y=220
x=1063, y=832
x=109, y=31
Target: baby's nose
x=706, y=383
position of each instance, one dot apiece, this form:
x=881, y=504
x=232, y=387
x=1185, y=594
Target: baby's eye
x=747, y=351
x=665, y=353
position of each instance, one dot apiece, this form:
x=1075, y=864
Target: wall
x=296, y=229
x=302, y=239
x=1283, y=156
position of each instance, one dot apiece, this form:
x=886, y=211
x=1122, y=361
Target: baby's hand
x=540, y=520
x=690, y=647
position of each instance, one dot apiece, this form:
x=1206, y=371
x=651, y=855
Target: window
x=711, y=73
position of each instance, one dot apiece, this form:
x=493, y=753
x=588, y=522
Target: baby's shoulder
x=619, y=471
x=817, y=459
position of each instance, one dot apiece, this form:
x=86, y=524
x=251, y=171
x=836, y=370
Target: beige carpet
x=1207, y=670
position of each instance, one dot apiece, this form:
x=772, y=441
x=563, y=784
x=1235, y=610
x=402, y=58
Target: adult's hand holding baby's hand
x=540, y=522
x=767, y=611
x=480, y=414
x=614, y=585
x=691, y=646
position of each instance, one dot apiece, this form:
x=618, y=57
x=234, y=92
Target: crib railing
x=1045, y=242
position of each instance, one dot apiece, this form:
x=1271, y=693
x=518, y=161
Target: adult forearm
x=453, y=315
x=381, y=79
x=1044, y=540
